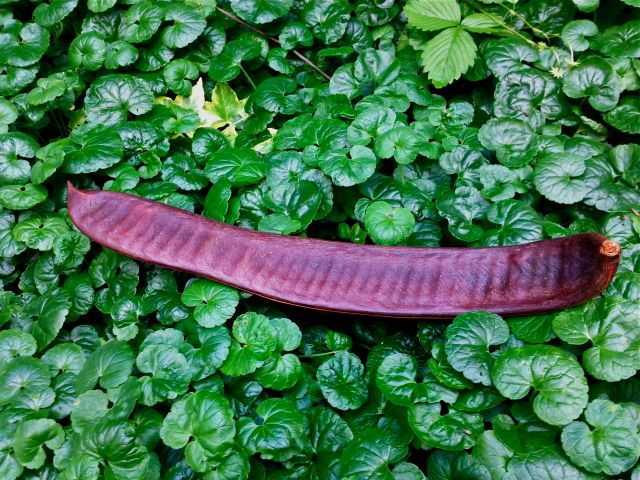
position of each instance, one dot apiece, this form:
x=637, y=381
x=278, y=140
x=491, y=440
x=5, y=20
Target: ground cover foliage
x=424, y=123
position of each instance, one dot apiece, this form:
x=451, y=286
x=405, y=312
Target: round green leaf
x=612, y=328
x=203, y=422
x=255, y=340
x=555, y=374
x=620, y=41
x=556, y=176
x=469, y=339
x=347, y=170
x=278, y=433
x=23, y=45
x=111, y=97
x=88, y=50
x=519, y=223
x=186, y=24
x=596, y=79
x=277, y=95
x=48, y=14
x=39, y=233
x=111, y=364
x=612, y=446
x=30, y=437
x=240, y=166
x=576, y=32
x=141, y=21
x=453, y=431
x=22, y=197
x=261, y=11
x=341, y=381
x=514, y=141
x=401, y=143
x=214, y=303
x=388, y=225
x=16, y=343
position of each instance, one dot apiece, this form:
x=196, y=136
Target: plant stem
x=324, y=354
x=247, y=76
x=501, y=22
x=274, y=40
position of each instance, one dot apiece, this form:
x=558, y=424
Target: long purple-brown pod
x=342, y=277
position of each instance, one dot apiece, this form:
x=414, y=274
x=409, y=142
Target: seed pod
x=343, y=277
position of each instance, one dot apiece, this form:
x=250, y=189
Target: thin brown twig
x=273, y=39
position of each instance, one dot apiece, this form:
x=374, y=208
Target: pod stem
x=610, y=248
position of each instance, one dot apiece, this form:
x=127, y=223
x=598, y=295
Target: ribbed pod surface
x=335, y=276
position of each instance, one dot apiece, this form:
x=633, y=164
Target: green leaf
x=556, y=176
x=177, y=74
x=214, y=303
x=255, y=340
x=349, y=169
x=240, y=166
x=388, y=225
x=203, y=422
x=593, y=78
x=9, y=246
x=620, y=41
x=46, y=315
x=261, y=11
x=100, y=148
x=462, y=208
x=115, y=445
x=22, y=197
x=514, y=141
x=612, y=447
x=16, y=343
x=277, y=434
x=111, y=97
x=277, y=95
x=327, y=19
x=401, y=143
x=297, y=200
x=88, y=50
x=23, y=376
x=576, y=32
x=625, y=116
x=555, y=374
x=30, y=437
x=396, y=379
x=39, y=233
x=23, y=45
x=626, y=160
x=48, y=14
x=183, y=171
x=100, y=5
x=611, y=327
x=341, y=380
x=370, y=456
x=187, y=25
x=432, y=15
x=448, y=55
x=140, y=22
x=453, y=431
x=519, y=223
x=451, y=466
x=469, y=338
x=110, y=364
x=586, y=5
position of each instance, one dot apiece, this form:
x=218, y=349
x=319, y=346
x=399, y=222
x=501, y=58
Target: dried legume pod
x=334, y=276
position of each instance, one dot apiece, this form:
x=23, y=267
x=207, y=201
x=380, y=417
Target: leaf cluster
x=315, y=118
